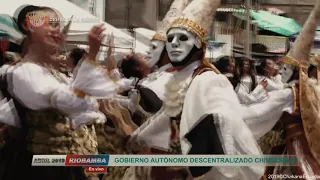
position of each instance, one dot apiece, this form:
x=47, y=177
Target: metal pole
x=248, y=44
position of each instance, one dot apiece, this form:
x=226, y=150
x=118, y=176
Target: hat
x=300, y=52
x=198, y=17
x=174, y=12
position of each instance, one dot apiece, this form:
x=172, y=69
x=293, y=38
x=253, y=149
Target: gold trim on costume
x=93, y=62
x=290, y=126
x=198, y=178
x=79, y=93
x=290, y=61
x=105, y=72
x=191, y=26
x=315, y=60
x=159, y=37
x=211, y=66
x=295, y=108
x=201, y=33
x=111, y=76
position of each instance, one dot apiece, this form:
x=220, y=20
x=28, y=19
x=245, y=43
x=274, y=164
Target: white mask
x=286, y=71
x=180, y=43
x=154, y=53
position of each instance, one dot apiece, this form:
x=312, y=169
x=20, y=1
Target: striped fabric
x=9, y=30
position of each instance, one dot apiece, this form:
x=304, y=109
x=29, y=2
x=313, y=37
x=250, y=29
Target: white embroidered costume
x=248, y=96
x=156, y=80
x=37, y=87
x=196, y=97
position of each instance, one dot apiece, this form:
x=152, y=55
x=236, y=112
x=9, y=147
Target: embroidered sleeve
x=37, y=89
x=96, y=81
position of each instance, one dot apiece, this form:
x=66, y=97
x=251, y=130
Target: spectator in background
x=312, y=71
x=248, y=89
x=134, y=65
x=74, y=59
x=226, y=65
x=267, y=71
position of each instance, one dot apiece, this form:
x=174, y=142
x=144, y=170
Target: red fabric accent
x=173, y=132
x=170, y=70
x=4, y=45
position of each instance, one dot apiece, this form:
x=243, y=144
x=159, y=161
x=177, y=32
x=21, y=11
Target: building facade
x=148, y=13
x=296, y=9
x=131, y=13
x=94, y=7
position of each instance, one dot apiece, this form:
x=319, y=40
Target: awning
x=83, y=21
x=274, y=23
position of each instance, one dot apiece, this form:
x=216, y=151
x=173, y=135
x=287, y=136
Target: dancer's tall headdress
x=299, y=56
x=174, y=12
x=198, y=18
x=300, y=52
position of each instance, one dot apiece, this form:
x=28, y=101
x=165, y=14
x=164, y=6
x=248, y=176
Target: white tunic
x=8, y=111
x=246, y=81
x=37, y=88
x=246, y=95
x=208, y=93
x=156, y=81
x=261, y=117
x=274, y=83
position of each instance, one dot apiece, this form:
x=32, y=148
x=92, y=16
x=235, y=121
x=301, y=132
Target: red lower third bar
x=97, y=170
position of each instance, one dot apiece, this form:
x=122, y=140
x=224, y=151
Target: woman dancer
x=56, y=114
x=248, y=89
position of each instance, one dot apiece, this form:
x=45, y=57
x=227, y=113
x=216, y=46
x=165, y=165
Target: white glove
x=126, y=84
x=115, y=73
x=291, y=84
x=134, y=99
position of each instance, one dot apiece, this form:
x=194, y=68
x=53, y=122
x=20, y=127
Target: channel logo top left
x=37, y=18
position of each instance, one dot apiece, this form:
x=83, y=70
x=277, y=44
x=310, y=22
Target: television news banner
x=99, y=163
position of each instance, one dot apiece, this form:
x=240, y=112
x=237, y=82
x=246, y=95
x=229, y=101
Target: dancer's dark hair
x=77, y=54
x=130, y=66
x=22, y=17
x=251, y=72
